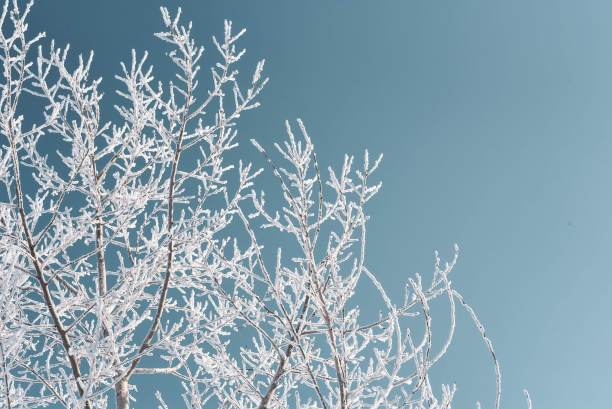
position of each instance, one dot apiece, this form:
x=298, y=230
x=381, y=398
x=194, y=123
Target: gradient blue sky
x=495, y=118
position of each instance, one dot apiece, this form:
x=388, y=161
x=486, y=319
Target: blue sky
x=495, y=121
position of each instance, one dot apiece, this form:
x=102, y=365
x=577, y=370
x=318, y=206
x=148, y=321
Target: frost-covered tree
x=134, y=247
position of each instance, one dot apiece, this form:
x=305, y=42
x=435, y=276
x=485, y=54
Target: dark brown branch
x=44, y=286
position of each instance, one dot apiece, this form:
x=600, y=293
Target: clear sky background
x=495, y=119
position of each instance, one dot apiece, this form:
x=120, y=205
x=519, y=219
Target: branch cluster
x=137, y=247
